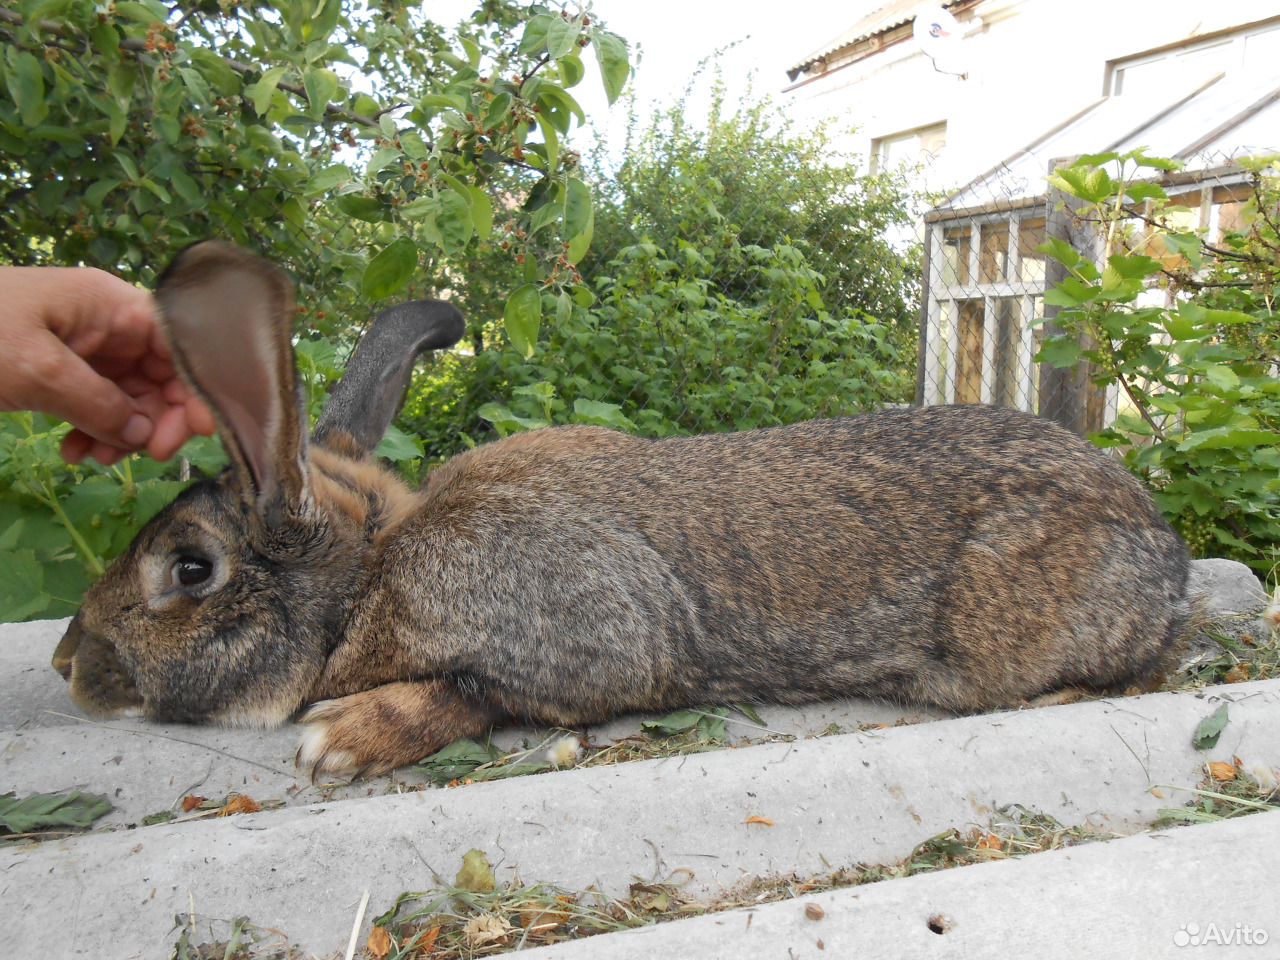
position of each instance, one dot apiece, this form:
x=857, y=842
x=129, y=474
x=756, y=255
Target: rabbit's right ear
x=229, y=318
x=369, y=396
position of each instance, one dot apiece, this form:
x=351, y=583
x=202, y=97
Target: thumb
x=71, y=389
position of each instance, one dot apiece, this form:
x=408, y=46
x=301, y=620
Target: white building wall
x=1030, y=64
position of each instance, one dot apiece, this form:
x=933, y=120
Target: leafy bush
x=1199, y=379
x=741, y=278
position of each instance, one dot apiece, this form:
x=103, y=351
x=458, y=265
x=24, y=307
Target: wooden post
x=926, y=294
x=1064, y=392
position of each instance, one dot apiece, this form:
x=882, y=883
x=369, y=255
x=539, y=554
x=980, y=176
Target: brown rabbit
x=967, y=557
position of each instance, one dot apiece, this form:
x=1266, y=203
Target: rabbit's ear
x=229, y=317
x=368, y=397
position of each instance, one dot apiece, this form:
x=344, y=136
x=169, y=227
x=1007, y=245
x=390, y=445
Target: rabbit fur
x=965, y=557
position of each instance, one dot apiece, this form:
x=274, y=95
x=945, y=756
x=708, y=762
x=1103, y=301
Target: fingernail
x=136, y=430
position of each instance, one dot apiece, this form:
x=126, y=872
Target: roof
x=882, y=18
x=1203, y=125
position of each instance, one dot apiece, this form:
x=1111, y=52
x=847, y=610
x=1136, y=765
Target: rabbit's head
x=227, y=604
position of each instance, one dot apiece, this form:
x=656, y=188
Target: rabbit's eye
x=191, y=571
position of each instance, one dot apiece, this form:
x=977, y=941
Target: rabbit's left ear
x=229, y=319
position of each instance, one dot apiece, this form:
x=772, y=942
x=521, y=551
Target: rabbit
x=963, y=557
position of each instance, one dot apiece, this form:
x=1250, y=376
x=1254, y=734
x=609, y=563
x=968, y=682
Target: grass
x=477, y=917
x=1244, y=654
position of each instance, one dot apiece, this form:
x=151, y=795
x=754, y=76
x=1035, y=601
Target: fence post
x=926, y=293
x=1064, y=392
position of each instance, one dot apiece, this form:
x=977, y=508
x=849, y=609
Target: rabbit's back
x=962, y=556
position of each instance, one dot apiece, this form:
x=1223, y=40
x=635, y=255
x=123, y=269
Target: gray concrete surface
x=866, y=797
x=46, y=744
x=1133, y=898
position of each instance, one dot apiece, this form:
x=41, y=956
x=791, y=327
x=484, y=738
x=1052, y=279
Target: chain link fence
x=983, y=316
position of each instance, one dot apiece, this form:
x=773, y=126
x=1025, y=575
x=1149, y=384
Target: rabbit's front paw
x=374, y=731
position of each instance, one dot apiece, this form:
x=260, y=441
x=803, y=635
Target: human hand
x=83, y=345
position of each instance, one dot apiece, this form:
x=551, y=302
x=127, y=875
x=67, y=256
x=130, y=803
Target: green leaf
x=1135, y=267
x=611, y=54
x=413, y=145
x=1222, y=377
x=506, y=422
x=321, y=86
x=535, y=33
x=1138, y=192
x=21, y=587
x=368, y=209
x=682, y=721
x=551, y=142
x=325, y=180
x=24, y=76
x=522, y=316
x=42, y=811
x=571, y=69
x=457, y=760
x=454, y=220
x=260, y=93
x=1221, y=438
x=398, y=446
x=562, y=36
x=481, y=213
x=601, y=414
x=1060, y=352
x=139, y=12
x=390, y=270
x=560, y=107
x=96, y=193
x=1061, y=251
x=381, y=159
x=498, y=110
x=1210, y=729
x=579, y=220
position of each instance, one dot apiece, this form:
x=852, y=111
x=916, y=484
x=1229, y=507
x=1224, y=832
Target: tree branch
x=244, y=69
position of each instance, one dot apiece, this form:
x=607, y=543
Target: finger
x=93, y=311
x=59, y=382
x=200, y=417
x=170, y=434
x=106, y=454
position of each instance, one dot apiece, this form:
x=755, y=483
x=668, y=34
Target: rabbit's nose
x=67, y=647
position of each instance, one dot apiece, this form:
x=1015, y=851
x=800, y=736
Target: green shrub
x=1200, y=394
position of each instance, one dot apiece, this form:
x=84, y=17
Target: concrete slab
x=1168, y=895
x=46, y=744
x=867, y=797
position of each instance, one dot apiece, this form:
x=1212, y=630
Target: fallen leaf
x=990, y=841
x=486, y=929
x=239, y=803
x=476, y=874
x=191, y=801
x=379, y=942
x=41, y=811
x=1222, y=772
x=427, y=942
x=764, y=821
x=1238, y=674
x=1209, y=729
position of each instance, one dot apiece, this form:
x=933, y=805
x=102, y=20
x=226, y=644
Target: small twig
x=355, y=929
x=165, y=736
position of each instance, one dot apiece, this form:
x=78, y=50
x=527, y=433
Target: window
x=909, y=148
x=1255, y=48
